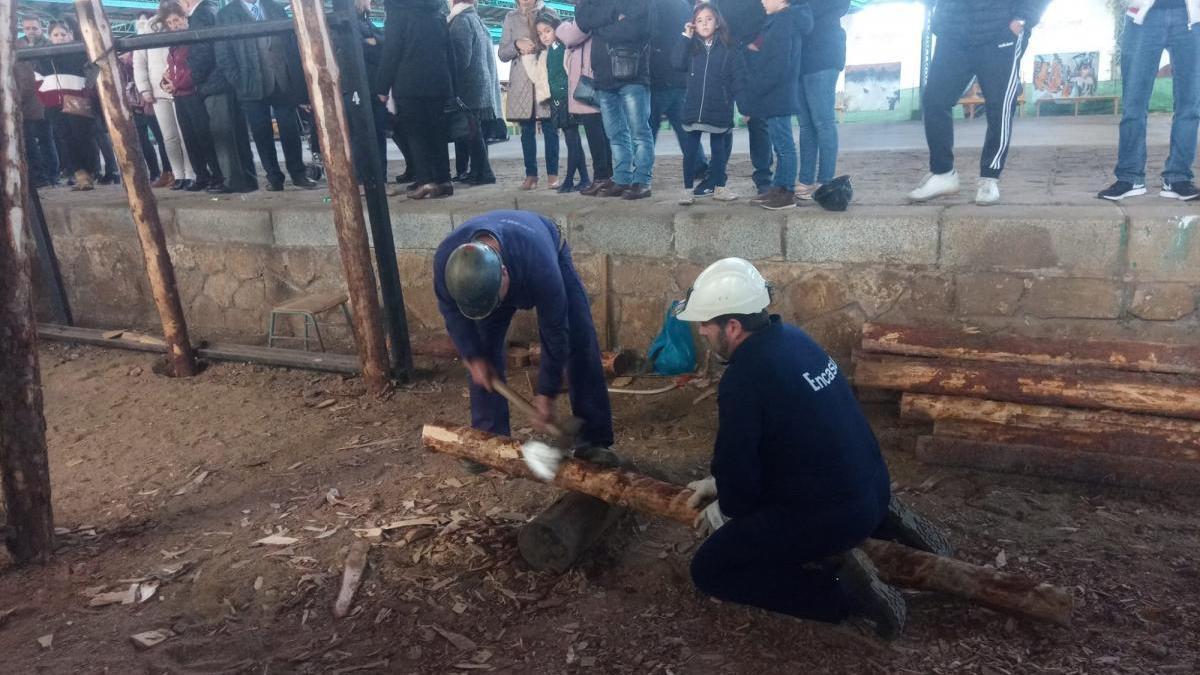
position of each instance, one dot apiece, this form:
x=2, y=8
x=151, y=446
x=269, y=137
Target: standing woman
x=519, y=38
x=415, y=66
x=822, y=60
x=149, y=65
x=71, y=106
x=477, y=85
x=583, y=106
x=371, y=39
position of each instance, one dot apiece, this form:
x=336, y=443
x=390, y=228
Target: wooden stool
x=307, y=307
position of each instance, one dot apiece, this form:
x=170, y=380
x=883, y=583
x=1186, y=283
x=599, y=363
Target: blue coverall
x=799, y=473
x=542, y=277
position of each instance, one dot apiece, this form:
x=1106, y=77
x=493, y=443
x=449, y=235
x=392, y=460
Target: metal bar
x=361, y=106
x=169, y=39
x=48, y=262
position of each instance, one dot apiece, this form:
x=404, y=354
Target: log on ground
x=615, y=364
x=933, y=341
x=1149, y=393
x=559, y=536
x=1071, y=465
x=902, y=565
x=1121, y=442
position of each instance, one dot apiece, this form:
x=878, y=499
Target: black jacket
x=239, y=60
x=667, y=18
x=616, y=25
x=366, y=31
x=202, y=56
x=771, y=74
x=744, y=17
x=825, y=47
x=416, y=51
x=711, y=78
x=980, y=21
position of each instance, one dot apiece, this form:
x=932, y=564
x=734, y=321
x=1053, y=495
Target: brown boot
x=614, y=190
x=779, y=199
x=165, y=179
x=596, y=188
x=83, y=181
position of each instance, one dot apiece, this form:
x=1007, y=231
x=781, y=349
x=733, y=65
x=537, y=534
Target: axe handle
x=521, y=403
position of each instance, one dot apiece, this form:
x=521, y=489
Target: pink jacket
x=579, y=63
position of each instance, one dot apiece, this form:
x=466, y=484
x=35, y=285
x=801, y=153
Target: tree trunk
x=1108, y=443
x=24, y=469
x=615, y=364
x=559, y=536
x=1170, y=395
x=1072, y=465
x=900, y=564
x=329, y=116
x=1148, y=357
x=142, y=204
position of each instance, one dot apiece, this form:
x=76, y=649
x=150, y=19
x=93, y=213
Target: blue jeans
x=779, y=129
x=818, y=126
x=1142, y=47
x=529, y=147
x=626, y=114
x=760, y=152
x=669, y=103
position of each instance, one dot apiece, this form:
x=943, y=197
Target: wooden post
x=142, y=205
x=24, y=470
x=325, y=93
x=897, y=564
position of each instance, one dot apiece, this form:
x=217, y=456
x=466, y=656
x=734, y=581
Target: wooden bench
x=307, y=307
x=972, y=102
x=1076, y=100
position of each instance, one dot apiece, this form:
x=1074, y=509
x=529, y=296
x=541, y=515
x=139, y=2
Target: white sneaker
x=724, y=194
x=935, y=185
x=988, y=192
x=687, y=198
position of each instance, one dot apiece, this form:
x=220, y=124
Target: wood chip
x=151, y=638
x=356, y=563
x=125, y=597
x=326, y=403
x=46, y=641
x=191, y=485
x=112, y=334
x=276, y=540
x=461, y=641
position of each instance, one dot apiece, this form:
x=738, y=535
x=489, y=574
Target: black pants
x=401, y=140
x=104, y=145
x=479, y=166
x=195, y=128
x=258, y=114
x=997, y=65
x=576, y=160
x=77, y=139
x=424, y=125
x=360, y=142
x=593, y=126
x=231, y=141
x=156, y=159
x=41, y=151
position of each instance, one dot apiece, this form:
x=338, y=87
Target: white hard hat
x=728, y=286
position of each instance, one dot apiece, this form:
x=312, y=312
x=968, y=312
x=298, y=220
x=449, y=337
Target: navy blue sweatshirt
x=667, y=18
x=711, y=78
x=791, y=433
x=772, y=72
x=529, y=246
x=744, y=17
x=825, y=47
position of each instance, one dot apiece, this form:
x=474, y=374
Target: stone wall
x=1085, y=271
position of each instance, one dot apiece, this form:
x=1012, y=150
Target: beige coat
x=520, y=105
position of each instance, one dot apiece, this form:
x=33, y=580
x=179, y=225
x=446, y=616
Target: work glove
x=703, y=490
x=709, y=520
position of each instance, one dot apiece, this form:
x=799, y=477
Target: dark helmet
x=473, y=275
x=835, y=195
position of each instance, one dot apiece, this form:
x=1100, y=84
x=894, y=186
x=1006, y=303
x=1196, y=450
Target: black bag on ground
x=835, y=195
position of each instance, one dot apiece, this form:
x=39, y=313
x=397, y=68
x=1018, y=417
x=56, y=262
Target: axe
x=542, y=459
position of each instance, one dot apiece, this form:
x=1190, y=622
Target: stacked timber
x=1106, y=412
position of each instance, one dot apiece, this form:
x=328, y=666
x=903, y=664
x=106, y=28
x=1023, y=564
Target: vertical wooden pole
x=24, y=470
x=325, y=93
x=96, y=35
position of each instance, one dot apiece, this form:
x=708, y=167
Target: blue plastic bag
x=673, y=351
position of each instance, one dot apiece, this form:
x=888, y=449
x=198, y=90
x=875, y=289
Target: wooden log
x=973, y=345
x=1111, y=443
x=24, y=469
x=897, y=564
x=559, y=536
x=143, y=206
x=1072, y=465
x=1151, y=393
x=329, y=116
x=615, y=364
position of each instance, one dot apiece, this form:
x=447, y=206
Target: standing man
x=620, y=31
x=796, y=468
x=1152, y=26
x=746, y=19
x=488, y=268
x=668, y=85
x=984, y=39
x=39, y=131
x=267, y=79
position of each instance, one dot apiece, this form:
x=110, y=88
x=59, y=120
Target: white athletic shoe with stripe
x=988, y=192
x=935, y=185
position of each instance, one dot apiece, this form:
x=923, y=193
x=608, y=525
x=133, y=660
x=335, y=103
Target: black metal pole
x=51, y=275
x=360, y=110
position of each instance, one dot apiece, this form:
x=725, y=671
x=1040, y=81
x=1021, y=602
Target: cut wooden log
x=356, y=564
x=1151, y=393
x=1072, y=465
x=897, y=564
x=559, y=536
x=615, y=363
x=972, y=345
x=1122, y=442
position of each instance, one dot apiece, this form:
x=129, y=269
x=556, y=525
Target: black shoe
x=866, y=595
x=274, y=185
x=109, y=179
x=566, y=187
x=304, y=183
x=637, y=191
x=702, y=174
x=1122, y=189
x=461, y=178
x=405, y=177
x=181, y=184
x=905, y=526
x=486, y=180
x=597, y=455
x=197, y=186
x=1183, y=190
x=219, y=188
x=703, y=190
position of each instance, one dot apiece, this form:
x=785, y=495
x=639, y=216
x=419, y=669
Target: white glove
x=709, y=520
x=703, y=490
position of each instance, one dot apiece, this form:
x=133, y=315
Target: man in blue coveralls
x=488, y=268
x=800, y=477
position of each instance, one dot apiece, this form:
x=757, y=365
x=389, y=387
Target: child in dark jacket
x=704, y=52
x=770, y=91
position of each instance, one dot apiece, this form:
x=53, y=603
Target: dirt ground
x=175, y=479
